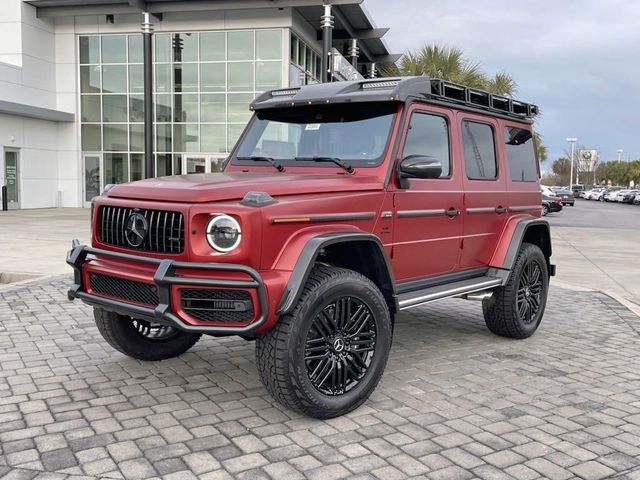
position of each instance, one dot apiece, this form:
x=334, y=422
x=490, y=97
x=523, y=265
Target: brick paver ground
x=455, y=402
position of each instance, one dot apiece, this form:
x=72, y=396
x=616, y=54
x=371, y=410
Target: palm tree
x=449, y=63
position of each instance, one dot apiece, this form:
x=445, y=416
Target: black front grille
x=127, y=290
x=217, y=305
x=165, y=229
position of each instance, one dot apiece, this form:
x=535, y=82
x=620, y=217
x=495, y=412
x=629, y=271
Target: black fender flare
x=309, y=255
x=538, y=226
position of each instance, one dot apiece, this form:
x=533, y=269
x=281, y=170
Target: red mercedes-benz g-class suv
x=341, y=205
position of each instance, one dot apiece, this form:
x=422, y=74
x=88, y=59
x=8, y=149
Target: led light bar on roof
x=284, y=93
x=382, y=84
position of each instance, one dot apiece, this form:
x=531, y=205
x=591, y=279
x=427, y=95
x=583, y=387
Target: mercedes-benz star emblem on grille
x=136, y=229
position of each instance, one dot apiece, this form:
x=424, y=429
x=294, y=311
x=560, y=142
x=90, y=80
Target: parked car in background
x=551, y=203
x=577, y=189
x=628, y=197
x=566, y=196
x=636, y=200
x=611, y=193
x=597, y=194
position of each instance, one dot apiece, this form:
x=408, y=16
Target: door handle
x=500, y=210
x=452, y=212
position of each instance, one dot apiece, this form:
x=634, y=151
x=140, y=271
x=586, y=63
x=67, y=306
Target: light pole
x=572, y=141
x=620, y=155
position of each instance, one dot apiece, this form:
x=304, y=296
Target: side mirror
x=418, y=166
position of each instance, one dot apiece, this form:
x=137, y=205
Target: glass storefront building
x=72, y=93
x=203, y=85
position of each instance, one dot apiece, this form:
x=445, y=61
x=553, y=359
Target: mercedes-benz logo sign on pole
x=136, y=229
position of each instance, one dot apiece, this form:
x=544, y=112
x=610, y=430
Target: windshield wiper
x=337, y=161
x=258, y=158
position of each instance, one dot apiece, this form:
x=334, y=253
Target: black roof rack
x=399, y=89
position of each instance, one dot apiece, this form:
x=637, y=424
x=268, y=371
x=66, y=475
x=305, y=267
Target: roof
x=351, y=18
x=396, y=89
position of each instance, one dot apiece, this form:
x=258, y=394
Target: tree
x=561, y=167
x=450, y=63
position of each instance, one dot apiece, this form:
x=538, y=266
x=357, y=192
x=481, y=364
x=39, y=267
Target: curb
x=629, y=305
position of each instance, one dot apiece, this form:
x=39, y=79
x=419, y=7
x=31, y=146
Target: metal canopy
x=351, y=18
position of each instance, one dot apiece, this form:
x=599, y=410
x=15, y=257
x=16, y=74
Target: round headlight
x=223, y=233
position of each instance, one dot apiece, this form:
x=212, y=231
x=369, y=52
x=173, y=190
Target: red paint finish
x=419, y=240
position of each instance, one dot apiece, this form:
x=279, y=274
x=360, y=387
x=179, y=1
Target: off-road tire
x=119, y=331
x=500, y=310
x=545, y=210
x=280, y=352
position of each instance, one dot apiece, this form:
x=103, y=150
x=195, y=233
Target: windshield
x=353, y=133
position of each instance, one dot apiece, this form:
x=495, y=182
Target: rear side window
x=520, y=150
x=429, y=135
x=479, y=151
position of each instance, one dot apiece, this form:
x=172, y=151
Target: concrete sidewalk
x=36, y=241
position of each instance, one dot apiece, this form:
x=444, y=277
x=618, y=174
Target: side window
x=521, y=154
x=479, y=151
x=429, y=135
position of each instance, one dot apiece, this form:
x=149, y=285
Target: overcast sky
x=579, y=60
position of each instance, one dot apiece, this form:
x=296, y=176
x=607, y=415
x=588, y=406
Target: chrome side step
x=431, y=294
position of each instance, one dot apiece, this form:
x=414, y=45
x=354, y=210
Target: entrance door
x=12, y=178
x=92, y=178
x=205, y=163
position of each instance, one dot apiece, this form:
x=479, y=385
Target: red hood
x=213, y=187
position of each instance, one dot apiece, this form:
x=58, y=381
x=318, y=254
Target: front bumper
x=165, y=278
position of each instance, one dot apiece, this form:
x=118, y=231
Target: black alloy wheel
x=154, y=331
x=530, y=291
x=340, y=345
x=142, y=339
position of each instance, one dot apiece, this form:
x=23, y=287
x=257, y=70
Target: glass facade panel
x=163, y=137
x=185, y=77
x=203, y=85
x=186, y=137
x=89, y=50
x=214, y=138
x=114, y=79
x=135, y=49
x=163, y=77
x=91, y=138
x=116, y=168
x=137, y=166
x=212, y=46
x=233, y=134
x=268, y=75
x=269, y=45
x=90, y=79
x=240, y=45
x=163, y=108
x=213, y=77
x=186, y=107
x=162, y=50
x=115, y=138
x=136, y=108
x=136, y=137
x=114, y=49
x=114, y=108
x=136, y=79
x=238, y=107
x=213, y=108
x=240, y=77
x=90, y=108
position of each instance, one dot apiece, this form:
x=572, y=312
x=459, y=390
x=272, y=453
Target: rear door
x=484, y=185
x=428, y=226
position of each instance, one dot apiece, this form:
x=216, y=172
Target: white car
x=611, y=195
x=596, y=194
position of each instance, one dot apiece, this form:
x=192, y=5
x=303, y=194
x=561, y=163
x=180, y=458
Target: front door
x=12, y=178
x=428, y=225
x=205, y=163
x=92, y=180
